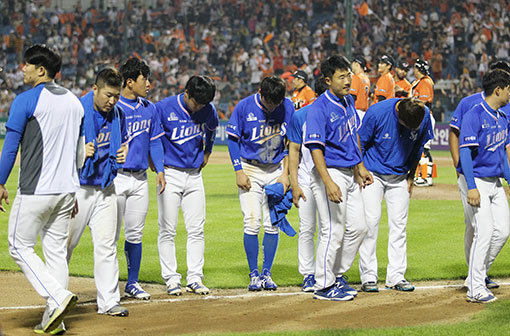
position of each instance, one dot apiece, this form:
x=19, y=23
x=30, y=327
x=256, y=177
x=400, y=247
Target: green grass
x=435, y=248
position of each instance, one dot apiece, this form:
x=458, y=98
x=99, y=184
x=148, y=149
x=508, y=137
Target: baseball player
x=402, y=85
x=105, y=131
x=131, y=186
x=300, y=168
x=360, y=87
x=189, y=121
x=302, y=94
x=483, y=160
x=331, y=135
x=256, y=143
x=453, y=138
x=392, y=138
x=423, y=89
x=48, y=180
x=385, y=86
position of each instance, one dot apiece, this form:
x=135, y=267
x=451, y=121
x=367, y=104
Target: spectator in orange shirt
x=360, y=86
x=402, y=86
x=302, y=94
x=423, y=89
x=385, y=86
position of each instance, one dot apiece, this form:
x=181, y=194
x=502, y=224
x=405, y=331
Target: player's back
x=49, y=142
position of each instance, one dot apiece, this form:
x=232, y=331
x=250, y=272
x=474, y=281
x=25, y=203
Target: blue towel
x=90, y=136
x=279, y=204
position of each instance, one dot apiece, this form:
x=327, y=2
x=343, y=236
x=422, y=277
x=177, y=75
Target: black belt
x=132, y=171
x=258, y=163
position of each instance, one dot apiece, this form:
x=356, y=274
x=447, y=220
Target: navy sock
x=133, y=258
x=251, y=247
x=269, y=244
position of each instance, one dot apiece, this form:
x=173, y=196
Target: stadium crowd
x=237, y=43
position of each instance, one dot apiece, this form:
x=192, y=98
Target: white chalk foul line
x=226, y=297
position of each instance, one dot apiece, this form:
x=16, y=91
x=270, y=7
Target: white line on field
x=225, y=297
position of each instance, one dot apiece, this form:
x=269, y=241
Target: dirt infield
x=239, y=311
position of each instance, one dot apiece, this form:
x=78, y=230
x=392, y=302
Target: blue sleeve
x=427, y=131
x=123, y=126
x=314, y=146
x=235, y=152
x=466, y=163
x=367, y=131
x=156, y=129
x=156, y=151
x=9, y=152
x=506, y=167
x=469, y=129
x=315, y=127
x=295, y=133
x=234, y=124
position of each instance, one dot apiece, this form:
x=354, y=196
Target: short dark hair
x=133, y=68
x=411, y=112
x=334, y=63
x=273, y=89
x=494, y=78
x=41, y=55
x=500, y=64
x=108, y=76
x=320, y=85
x=201, y=88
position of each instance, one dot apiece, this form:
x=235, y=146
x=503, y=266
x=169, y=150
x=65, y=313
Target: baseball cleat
x=174, y=289
x=134, y=290
x=197, y=288
x=267, y=282
x=51, y=320
x=332, y=293
x=60, y=330
x=308, y=283
x=370, y=287
x=490, y=284
x=117, y=310
x=481, y=298
x=404, y=286
x=255, y=284
x=341, y=282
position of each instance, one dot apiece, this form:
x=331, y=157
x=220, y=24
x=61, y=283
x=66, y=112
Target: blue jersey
x=103, y=127
x=487, y=130
x=295, y=132
x=333, y=123
x=261, y=135
x=465, y=105
x=143, y=127
x=186, y=134
x=388, y=147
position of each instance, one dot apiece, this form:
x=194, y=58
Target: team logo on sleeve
x=386, y=136
x=251, y=117
x=172, y=117
x=314, y=136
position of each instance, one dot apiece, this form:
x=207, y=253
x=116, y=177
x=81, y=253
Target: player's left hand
x=363, y=176
x=297, y=193
x=4, y=195
x=206, y=160
x=122, y=154
x=75, y=209
x=160, y=181
x=284, y=179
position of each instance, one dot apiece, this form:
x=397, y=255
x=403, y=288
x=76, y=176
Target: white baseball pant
x=97, y=208
x=48, y=216
x=334, y=253
x=254, y=201
x=184, y=188
x=491, y=229
x=307, y=223
x=132, y=191
x=468, y=216
x=395, y=190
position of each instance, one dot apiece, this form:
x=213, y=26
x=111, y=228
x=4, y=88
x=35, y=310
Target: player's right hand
x=90, y=149
x=243, y=181
x=4, y=195
x=75, y=209
x=473, y=197
x=333, y=191
x=297, y=193
x=161, y=182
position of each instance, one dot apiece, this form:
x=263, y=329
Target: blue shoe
x=490, y=284
x=266, y=281
x=481, y=298
x=341, y=282
x=308, y=283
x=255, y=284
x=134, y=290
x=404, y=286
x=332, y=293
x=197, y=288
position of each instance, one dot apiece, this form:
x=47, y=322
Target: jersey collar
x=182, y=104
x=494, y=114
x=258, y=102
x=335, y=100
x=130, y=103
